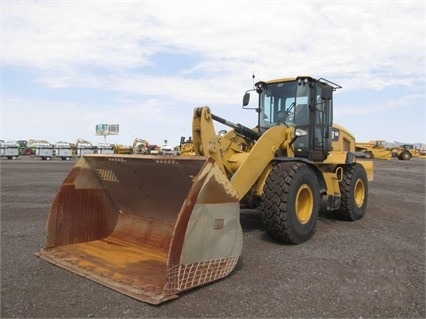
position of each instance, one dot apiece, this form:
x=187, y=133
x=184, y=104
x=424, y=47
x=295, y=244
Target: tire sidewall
x=304, y=176
x=406, y=156
x=358, y=212
x=279, y=199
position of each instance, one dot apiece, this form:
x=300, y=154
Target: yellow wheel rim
x=304, y=204
x=359, y=193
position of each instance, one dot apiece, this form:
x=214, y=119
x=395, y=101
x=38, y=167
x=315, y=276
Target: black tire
x=290, y=202
x=405, y=156
x=354, y=193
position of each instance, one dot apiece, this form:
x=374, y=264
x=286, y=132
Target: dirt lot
x=374, y=267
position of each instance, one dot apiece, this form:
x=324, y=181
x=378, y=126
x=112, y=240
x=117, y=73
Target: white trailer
x=84, y=147
x=82, y=150
x=63, y=150
x=9, y=149
x=105, y=148
x=44, y=150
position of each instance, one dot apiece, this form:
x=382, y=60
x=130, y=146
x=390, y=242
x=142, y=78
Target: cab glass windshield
x=278, y=101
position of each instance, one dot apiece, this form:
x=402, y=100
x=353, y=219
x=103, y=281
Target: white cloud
x=275, y=37
x=365, y=107
x=107, y=46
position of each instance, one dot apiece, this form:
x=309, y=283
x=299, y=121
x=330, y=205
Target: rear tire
x=354, y=193
x=290, y=202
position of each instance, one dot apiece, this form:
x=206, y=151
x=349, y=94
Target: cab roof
x=280, y=80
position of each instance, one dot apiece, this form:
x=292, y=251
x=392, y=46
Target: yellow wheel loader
x=152, y=227
x=405, y=152
x=186, y=147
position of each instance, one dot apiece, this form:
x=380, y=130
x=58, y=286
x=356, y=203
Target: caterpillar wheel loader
x=405, y=152
x=152, y=227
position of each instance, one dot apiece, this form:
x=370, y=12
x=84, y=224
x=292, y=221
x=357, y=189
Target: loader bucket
x=147, y=226
x=382, y=154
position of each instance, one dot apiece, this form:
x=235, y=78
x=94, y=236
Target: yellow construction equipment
x=374, y=149
x=152, y=227
x=123, y=149
x=140, y=146
x=405, y=152
x=186, y=147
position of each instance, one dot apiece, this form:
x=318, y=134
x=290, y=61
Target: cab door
x=322, y=121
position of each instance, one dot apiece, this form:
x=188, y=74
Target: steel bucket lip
x=148, y=156
x=152, y=294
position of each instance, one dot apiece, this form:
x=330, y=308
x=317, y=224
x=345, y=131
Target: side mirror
x=246, y=99
x=326, y=92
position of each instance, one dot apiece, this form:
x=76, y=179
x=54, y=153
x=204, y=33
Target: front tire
x=290, y=202
x=353, y=192
x=405, y=156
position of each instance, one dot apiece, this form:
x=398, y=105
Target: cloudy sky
x=67, y=66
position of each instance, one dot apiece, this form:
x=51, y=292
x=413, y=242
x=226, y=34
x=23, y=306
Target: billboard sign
x=107, y=129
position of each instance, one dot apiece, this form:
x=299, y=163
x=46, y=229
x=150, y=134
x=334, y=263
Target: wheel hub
x=304, y=204
x=359, y=193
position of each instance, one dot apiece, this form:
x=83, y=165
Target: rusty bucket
x=149, y=227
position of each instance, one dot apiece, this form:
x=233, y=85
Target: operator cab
x=306, y=104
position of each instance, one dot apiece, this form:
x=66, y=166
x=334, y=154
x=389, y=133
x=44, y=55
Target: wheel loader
x=405, y=152
x=152, y=227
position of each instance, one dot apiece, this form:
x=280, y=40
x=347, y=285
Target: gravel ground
x=374, y=267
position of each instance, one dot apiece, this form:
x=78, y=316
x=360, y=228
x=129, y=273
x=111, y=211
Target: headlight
x=300, y=132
